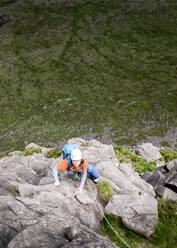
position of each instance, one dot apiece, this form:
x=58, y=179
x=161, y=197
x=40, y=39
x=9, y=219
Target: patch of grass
x=105, y=191
x=124, y=160
x=139, y=165
x=84, y=145
x=122, y=152
x=53, y=154
x=130, y=237
x=145, y=166
x=75, y=69
x=6, y=155
x=125, y=141
x=30, y=152
x=168, y=154
x=156, y=131
x=162, y=159
x=165, y=235
x=14, y=190
x=164, y=143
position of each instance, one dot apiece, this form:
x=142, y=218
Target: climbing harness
x=112, y=228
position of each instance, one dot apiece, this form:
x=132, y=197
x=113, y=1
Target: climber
x=78, y=165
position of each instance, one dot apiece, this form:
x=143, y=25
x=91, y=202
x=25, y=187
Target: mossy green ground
x=165, y=235
x=30, y=151
x=168, y=154
x=54, y=153
x=139, y=165
x=90, y=67
x=105, y=192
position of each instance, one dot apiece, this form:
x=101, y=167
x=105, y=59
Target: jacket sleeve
x=83, y=179
x=55, y=172
x=63, y=165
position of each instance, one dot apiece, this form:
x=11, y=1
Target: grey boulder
x=138, y=213
x=148, y=152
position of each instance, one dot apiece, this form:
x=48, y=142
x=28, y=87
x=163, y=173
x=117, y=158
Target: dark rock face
x=14, y=218
x=171, y=177
x=155, y=178
x=3, y=20
x=164, y=177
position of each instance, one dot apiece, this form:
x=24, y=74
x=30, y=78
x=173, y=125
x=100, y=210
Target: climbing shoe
x=95, y=180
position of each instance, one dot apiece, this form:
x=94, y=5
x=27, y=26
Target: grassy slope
x=86, y=68
x=165, y=231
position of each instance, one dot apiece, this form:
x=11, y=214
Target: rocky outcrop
x=25, y=223
x=34, y=213
x=138, y=212
x=164, y=180
x=148, y=152
x=123, y=178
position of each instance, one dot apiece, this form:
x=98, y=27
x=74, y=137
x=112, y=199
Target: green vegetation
x=87, y=68
x=105, y=191
x=14, y=190
x=124, y=153
x=30, y=151
x=139, y=165
x=166, y=231
x=84, y=145
x=53, y=153
x=165, y=235
x=130, y=237
x=145, y=166
x=6, y=155
x=168, y=154
x=164, y=143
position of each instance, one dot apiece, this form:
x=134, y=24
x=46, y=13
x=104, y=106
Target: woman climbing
x=76, y=163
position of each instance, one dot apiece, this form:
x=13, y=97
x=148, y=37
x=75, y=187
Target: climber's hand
x=57, y=183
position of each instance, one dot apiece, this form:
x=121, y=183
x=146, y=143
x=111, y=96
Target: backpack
x=66, y=152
